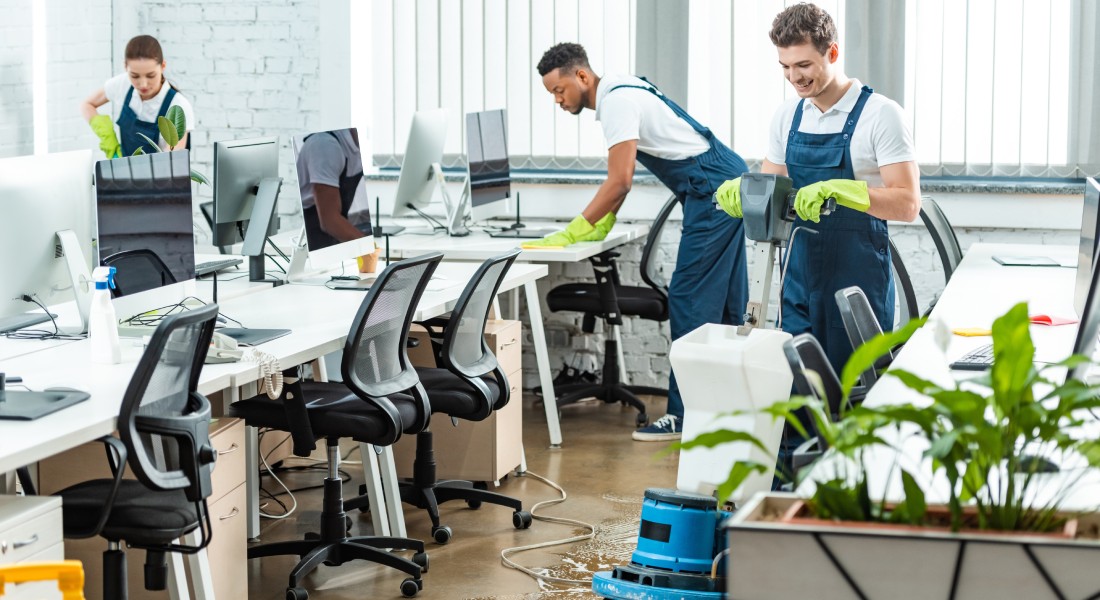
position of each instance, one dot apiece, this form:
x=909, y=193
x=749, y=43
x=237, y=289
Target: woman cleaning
x=138, y=96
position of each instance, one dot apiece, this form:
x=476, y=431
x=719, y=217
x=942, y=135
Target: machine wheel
x=296, y=594
x=641, y=420
x=410, y=587
x=421, y=558
x=521, y=519
x=442, y=534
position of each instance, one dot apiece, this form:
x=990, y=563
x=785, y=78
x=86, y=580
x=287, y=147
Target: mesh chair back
x=376, y=364
x=907, y=296
x=137, y=271
x=805, y=354
x=651, y=267
x=164, y=421
x=943, y=235
x=861, y=324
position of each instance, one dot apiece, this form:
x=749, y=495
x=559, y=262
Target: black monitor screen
x=143, y=206
x=1086, y=254
x=487, y=151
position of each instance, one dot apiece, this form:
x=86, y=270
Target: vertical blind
x=988, y=86
x=473, y=55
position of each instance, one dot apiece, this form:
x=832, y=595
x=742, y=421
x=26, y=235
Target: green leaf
x=154, y=145
x=199, y=177
x=716, y=438
x=168, y=132
x=915, y=506
x=179, y=121
x=1013, y=356
x=865, y=356
x=738, y=474
x=138, y=152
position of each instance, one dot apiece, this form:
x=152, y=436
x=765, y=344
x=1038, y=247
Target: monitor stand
x=456, y=212
x=17, y=322
x=255, y=238
x=25, y=406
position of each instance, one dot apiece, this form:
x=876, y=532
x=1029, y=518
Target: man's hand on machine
x=846, y=192
x=579, y=230
x=728, y=197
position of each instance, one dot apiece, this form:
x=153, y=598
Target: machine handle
x=829, y=207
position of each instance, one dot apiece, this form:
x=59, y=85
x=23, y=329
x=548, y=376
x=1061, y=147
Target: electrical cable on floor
x=293, y=500
x=505, y=553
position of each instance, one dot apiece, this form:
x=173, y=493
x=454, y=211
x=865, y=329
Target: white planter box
x=769, y=559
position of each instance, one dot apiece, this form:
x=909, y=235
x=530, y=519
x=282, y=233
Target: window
x=481, y=54
x=988, y=86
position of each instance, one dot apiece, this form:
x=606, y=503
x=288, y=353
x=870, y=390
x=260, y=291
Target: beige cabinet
x=30, y=531
x=482, y=450
x=229, y=545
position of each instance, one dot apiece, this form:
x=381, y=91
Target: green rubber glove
x=104, y=129
x=846, y=192
x=728, y=197
x=600, y=229
x=578, y=228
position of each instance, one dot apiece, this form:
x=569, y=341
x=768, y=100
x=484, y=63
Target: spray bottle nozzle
x=104, y=278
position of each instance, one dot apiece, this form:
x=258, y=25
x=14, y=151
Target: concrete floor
x=602, y=470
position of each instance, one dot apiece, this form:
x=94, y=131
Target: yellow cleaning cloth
x=972, y=331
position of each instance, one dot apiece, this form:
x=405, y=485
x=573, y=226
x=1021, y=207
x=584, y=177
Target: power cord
x=271, y=376
x=784, y=259
x=436, y=225
x=41, y=334
x=504, y=554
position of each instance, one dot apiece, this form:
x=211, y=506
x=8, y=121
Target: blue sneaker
x=666, y=429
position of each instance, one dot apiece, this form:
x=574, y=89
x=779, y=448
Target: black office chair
x=137, y=271
x=164, y=429
x=380, y=398
x=861, y=324
x=467, y=384
x=903, y=285
x=609, y=300
x=943, y=236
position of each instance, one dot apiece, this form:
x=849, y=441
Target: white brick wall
x=249, y=67
x=16, y=108
x=78, y=51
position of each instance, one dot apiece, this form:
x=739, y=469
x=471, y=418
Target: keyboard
x=978, y=359
x=212, y=266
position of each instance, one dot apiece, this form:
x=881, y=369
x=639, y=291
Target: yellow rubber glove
x=728, y=197
x=600, y=229
x=577, y=228
x=105, y=130
x=846, y=192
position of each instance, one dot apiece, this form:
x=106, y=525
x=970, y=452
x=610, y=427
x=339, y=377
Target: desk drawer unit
x=227, y=436
x=30, y=531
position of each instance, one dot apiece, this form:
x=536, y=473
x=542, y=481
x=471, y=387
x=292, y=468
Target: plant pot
x=826, y=560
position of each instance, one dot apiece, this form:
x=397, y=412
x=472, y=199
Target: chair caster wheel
x=641, y=420
x=421, y=558
x=521, y=519
x=473, y=504
x=296, y=594
x=410, y=587
x=442, y=534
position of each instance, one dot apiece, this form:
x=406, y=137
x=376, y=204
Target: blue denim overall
x=849, y=248
x=129, y=126
x=710, y=284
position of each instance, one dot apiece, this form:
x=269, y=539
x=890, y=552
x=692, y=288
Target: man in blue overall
x=710, y=283
x=837, y=140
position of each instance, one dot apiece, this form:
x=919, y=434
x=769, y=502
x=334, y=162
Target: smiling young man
x=838, y=140
x=710, y=283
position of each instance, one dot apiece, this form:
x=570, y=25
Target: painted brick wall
x=16, y=129
x=250, y=68
x=646, y=343
x=78, y=54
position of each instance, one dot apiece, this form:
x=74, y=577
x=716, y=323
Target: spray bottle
x=102, y=323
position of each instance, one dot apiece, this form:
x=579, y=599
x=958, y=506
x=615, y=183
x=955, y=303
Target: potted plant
x=861, y=524
x=172, y=127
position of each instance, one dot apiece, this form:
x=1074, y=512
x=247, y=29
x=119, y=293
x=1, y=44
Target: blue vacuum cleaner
x=680, y=543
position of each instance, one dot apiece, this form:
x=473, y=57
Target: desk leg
x=538, y=336
x=379, y=510
x=252, y=480
x=394, y=510
x=513, y=304
x=199, y=563
x=7, y=483
x=177, y=577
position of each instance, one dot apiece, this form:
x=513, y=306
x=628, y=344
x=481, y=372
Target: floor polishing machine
x=726, y=375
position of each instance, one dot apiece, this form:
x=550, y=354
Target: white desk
x=979, y=292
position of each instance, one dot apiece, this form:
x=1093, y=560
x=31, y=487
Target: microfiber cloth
x=1049, y=320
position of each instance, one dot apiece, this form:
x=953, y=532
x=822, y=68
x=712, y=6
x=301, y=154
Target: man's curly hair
x=566, y=56
x=801, y=23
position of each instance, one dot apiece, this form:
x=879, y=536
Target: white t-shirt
x=633, y=114
x=116, y=88
x=881, y=136
x=322, y=159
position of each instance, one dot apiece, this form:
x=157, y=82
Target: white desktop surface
x=980, y=291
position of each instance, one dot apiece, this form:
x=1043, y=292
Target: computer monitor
x=1089, y=325
x=46, y=236
x=329, y=163
x=246, y=191
x=1086, y=252
x=144, y=219
x=487, y=164
x=420, y=170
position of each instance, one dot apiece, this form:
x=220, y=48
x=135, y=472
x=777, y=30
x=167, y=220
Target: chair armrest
x=116, y=458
